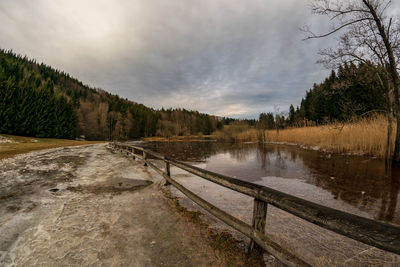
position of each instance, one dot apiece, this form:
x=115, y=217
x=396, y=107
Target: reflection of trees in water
x=263, y=155
x=280, y=159
x=356, y=180
x=239, y=152
x=293, y=155
x=189, y=151
x=200, y=151
x=271, y=156
x=389, y=198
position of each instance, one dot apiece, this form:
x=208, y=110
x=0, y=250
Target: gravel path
x=88, y=206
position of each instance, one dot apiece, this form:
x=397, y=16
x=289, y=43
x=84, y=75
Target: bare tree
x=366, y=34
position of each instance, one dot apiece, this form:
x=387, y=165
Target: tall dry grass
x=366, y=136
x=234, y=133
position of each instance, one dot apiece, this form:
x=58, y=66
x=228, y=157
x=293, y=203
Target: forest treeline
x=37, y=100
x=349, y=93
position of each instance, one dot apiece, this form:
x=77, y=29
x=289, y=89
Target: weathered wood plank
x=154, y=154
x=156, y=168
x=371, y=232
x=258, y=223
x=149, y=152
x=280, y=253
x=134, y=155
x=167, y=172
x=144, y=158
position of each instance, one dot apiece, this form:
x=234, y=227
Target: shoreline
x=322, y=150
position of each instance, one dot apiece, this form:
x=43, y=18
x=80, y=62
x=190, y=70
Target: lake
x=355, y=184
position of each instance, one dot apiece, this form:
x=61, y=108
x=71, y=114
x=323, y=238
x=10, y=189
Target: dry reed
x=367, y=136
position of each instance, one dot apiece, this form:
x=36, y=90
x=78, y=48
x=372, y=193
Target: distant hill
x=37, y=100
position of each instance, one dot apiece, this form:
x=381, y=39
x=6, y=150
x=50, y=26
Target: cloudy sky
x=224, y=57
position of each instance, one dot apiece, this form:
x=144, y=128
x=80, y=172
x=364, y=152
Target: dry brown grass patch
x=21, y=144
x=367, y=136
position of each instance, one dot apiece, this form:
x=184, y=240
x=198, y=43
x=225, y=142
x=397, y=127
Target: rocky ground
x=84, y=206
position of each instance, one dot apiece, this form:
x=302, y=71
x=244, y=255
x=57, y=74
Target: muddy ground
x=88, y=206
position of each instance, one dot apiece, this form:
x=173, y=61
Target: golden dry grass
x=234, y=133
x=366, y=136
x=21, y=144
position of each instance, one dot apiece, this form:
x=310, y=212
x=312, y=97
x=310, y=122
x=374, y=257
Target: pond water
x=359, y=182
x=355, y=184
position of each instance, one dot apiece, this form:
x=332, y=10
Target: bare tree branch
x=313, y=36
x=370, y=37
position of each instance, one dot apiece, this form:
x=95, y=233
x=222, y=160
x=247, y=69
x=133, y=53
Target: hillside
x=38, y=100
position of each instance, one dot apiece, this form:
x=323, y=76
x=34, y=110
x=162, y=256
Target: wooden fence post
x=167, y=172
x=133, y=153
x=258, y=223
x=144, y=158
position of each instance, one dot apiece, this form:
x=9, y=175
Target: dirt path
x=84, y=206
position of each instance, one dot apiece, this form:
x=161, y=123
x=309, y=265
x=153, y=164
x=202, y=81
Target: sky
x=224, y=57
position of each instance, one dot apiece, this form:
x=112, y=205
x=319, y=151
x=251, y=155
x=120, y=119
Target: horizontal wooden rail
x=371, y=232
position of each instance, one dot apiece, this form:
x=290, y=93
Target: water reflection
x=353, y=183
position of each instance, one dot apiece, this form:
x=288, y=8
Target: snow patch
x=5, y=140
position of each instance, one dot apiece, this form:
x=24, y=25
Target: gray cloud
x=225, y=57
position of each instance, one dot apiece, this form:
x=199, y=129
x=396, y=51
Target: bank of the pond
x=365, y=137
x=354, y=184
x=11, y=145
x=185, y=138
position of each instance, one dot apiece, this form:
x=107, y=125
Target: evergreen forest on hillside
x=37, y=100
x=352, y=92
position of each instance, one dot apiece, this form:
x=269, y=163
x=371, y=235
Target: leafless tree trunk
x=384, y=82
x=367, y=35
x=393, y=94
x=389, y=142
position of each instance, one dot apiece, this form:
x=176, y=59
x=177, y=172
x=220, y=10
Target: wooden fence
x=381, y=235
